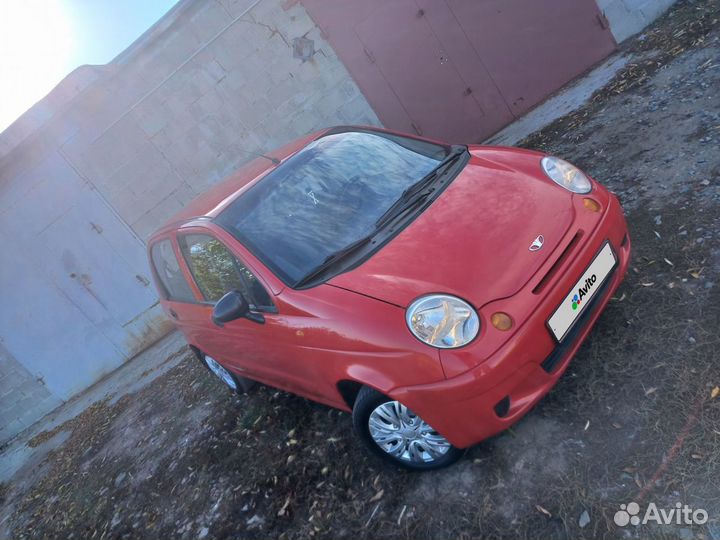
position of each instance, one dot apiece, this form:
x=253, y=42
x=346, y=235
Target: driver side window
x=217, y=271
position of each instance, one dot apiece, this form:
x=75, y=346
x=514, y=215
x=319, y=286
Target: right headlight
x=566, y=174
x=443, y=321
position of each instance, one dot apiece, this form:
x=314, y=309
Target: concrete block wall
x=23, y=398
x=34, y=118
x=215, y=88
x=628, y=17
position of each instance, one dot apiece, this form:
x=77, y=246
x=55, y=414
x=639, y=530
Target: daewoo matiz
x=436, y=291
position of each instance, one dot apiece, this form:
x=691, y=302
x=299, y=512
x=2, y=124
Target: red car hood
x=473, y=241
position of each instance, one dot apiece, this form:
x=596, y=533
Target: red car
x=436, y=291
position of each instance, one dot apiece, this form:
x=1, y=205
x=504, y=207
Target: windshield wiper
x=333, y=259
x=418, y=191
x=410, y=199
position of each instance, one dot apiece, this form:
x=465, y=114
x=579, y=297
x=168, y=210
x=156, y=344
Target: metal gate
x=461, y=69
x=77, y=300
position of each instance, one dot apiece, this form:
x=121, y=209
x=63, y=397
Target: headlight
x=442, y=321
x=566, y=174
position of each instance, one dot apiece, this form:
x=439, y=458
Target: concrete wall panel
x=628, y=17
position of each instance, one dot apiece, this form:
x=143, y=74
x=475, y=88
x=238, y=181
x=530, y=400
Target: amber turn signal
x=501, y=321
x=591, y=205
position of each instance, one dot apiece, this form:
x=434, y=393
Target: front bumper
x=490, y=397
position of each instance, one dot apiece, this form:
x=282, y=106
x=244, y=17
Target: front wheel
x=398, y=435
x=222, y=373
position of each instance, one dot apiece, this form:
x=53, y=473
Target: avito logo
x=583, y=291
x=629, y=514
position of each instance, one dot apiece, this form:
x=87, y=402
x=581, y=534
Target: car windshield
x=326, y=197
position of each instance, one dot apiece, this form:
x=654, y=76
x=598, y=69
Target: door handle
x=173, y=314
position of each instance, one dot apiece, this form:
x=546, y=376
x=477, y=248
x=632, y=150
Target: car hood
x=474, y=239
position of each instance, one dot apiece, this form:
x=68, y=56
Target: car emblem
x=537, y=243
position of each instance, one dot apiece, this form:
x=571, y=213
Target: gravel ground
x=633, y=419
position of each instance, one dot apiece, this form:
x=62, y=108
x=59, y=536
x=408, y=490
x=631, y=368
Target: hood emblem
x=537, y=244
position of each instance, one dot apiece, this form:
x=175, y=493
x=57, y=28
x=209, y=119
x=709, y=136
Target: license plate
x=580, y=295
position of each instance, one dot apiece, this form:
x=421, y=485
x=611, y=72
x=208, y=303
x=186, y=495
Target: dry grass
x=683, y=28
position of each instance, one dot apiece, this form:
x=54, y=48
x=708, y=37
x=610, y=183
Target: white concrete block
x=628, y=17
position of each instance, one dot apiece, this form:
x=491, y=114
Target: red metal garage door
x=461, y=69
x=533, y=48
x=419, y=71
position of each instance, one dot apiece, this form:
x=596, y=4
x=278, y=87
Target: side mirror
x=230, y=307
x=234, y=306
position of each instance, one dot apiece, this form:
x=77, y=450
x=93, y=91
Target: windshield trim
x=399, y=139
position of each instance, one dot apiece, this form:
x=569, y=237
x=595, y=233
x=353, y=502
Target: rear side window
x=169, y=273
x=217, y=271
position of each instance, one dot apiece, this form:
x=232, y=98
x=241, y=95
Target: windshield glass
x=326, y=197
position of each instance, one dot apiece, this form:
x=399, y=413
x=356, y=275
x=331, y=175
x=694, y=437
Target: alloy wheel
x=404, y=435
x=223, y=374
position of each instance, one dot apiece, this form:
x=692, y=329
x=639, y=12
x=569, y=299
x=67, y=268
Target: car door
x=215, y=270
x=265, y=351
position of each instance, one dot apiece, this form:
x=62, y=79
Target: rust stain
x=154, y=330
x=139, y=315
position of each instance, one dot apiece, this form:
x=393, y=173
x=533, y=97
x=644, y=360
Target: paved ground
x=632, y=420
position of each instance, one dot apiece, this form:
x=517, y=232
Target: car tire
x=409, y=443
x=236, y=384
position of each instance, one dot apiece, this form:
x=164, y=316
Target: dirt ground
x=633, y=419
